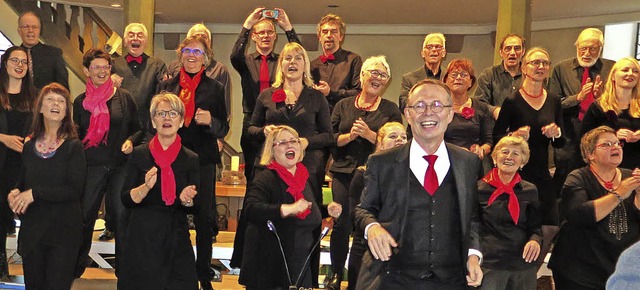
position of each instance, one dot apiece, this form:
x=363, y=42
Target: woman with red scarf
x=108, y=126
x=510, y=233
x=282, y=194
x=205, y=121
x=162, y=180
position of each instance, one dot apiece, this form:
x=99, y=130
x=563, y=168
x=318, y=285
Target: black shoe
x=333, y=282
x=106, y=235
x=206, y=285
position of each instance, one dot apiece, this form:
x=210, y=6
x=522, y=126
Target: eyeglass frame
x=538, y=62
x=609, y=145
x=379, y=75
x=285, y=143
x=432, y=106
x=169, y=113
x=100, y=67
x=16, y=61
x=192, y=51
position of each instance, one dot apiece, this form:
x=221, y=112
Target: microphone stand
x=272, y=228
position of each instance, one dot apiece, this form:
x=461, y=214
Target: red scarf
x=95, y=102
x=296, y=182
x=164, y=159
x=188, y=93
x=493, y=179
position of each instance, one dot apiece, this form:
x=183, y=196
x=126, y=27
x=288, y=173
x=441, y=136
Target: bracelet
x=618, y=196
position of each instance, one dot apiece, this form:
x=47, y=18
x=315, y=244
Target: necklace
x=47, y=150
x=365, y=108
x=532, y=96
x=607, y=184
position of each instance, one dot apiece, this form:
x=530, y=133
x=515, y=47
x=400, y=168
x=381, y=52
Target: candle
x=235, y=163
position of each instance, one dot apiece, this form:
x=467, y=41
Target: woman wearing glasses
x=161, y=182
x=536, y=116
x=472, y=124
x=283, y=195
x=17, y=97
x=107, y=122
x=619, y=108
x=205, y=120
x=602, y=217
x=356, y=121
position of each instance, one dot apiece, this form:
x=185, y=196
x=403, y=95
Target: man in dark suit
x=46, y=64
x=419, y=205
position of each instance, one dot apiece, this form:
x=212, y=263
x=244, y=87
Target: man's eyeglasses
x=591, y=49
x=285, y=143
x=538, y=62
x=163, y=114
x=378, y=74
x=194, y=51
x=27, y=27
x=435, y=106
x=17, y=61
x=609, y=145
x=100, y=67
x=509, y=48
x=434, y=47
x=265, y=32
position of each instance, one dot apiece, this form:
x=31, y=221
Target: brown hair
x=67, y=129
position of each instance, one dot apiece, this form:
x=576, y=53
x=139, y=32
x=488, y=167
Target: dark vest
x=431, y=242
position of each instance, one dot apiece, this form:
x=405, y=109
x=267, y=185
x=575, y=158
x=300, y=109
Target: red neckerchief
x=95, y=102
x=325, y=58
x=296, y=182
x=493, y=179
x=131, y=58
x=164, y=159
x=188, y=93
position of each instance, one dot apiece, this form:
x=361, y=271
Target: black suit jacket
x=410, y=79
x=384, y=200
x=48, y=66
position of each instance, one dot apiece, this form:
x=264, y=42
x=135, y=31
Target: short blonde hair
x=199, y=26
x=384, y=131
x=371, y=61
x=306, y=75
x=509, y=141
x=435, y=35
x=267, y=151
x=170, y=98
x=136, y=24
x=589, y=141
x=591, y=34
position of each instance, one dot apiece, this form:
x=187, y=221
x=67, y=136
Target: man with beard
x=498, y=82
x=433, y=52
x=337, y=71
x=46, y=64
x=578, y=81
x=138, y=72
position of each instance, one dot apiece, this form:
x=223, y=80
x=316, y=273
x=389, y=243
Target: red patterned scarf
x=493, y=179
x=188, y=93
x=95, y=101
x=164, y=159
x=295, y=182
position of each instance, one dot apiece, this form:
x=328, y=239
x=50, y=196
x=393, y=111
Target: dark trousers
x=343, y=225
x=509, y=279
x=101, y=182
x=204, y=220
x=8, y=179
x=50, y=267
x=398, y=281
x=358, y=248
x=562, y=283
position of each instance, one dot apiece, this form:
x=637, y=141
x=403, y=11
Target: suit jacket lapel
x=461, y=179
x=402, y=167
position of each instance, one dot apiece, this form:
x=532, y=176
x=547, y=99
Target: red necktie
x=584, y=104
x=264, y=73
x=30, y=64
x=325, y=58
x=131, y=58
x=430, y=178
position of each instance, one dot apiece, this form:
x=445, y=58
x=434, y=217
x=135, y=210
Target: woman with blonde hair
x=619, y=108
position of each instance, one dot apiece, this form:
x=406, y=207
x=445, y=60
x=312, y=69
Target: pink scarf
x=493, y=179
x=164, y=159
x=296, y=182
x=95, y=101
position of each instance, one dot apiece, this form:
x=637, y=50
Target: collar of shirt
x=419, y=166
x=504, y=71
x=256, y=55
x=596, y=66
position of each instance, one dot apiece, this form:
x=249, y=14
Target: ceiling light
x=116, y=5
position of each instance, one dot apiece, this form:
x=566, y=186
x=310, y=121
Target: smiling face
x=293, y=65
x=330, y=37
x=193, y=57
x=29, y=29
x=135, y=41
x=511, y=52
x=287, y=149
x=627, y=75
x=99, y=71
x=17, y=65
x=459, y=81
x=166, y=120
x=509, y=159
x=54, y=107
x=374, y=80
x=428, y=127
x=536, y=66
x=433, y=51
x=264, y=36
x=605, y=155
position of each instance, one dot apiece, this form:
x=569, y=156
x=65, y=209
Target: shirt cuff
x=477, y=253
x=366, y=229
x=559, y=135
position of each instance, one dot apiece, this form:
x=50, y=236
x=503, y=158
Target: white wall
x=620, y=40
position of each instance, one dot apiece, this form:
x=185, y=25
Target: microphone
x=272, y=228
x=323, y=234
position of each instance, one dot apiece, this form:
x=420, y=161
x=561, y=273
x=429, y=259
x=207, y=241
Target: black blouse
x=476, y=130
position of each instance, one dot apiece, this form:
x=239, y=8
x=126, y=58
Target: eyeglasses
x=509, y=48
x=434, y=47
x=455, y=75
x=27, y=27
x=163, y=114
x=591, y=49
x=378, y=74
x=538, y=62
x=194, y=51
x=285, y=143
x=100, y=67
x=609, y=145
x=17, y=61
x=435, y=106
x=265, y=32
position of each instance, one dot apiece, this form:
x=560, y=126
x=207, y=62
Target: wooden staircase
x=67, y=36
